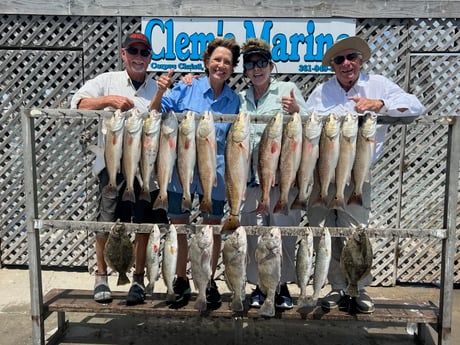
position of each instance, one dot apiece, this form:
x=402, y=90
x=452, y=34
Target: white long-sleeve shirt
x=330, y=97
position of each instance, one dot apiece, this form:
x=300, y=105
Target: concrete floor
x=15, y=322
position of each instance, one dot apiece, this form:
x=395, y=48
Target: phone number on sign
x=314, y=68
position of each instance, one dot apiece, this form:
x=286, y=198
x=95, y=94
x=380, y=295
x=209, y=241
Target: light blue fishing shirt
x=268, y=104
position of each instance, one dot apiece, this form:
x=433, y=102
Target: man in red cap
x=124, y=90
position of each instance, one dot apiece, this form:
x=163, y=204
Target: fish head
x=349, y=125
x=205, y=236
x=187, y=125
x=117, y=231
x=240, y=127
x=135, y=121
x=313, y=126
x=294, y=126
x=369, y=125
x=169, y=123
x=152, y=122
x=275, y=126
x=332, y=125
x=205, y=125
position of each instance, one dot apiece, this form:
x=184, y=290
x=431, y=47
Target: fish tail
x=262, y=208
x=200, y=304
x=110, y=191
x=320, y=201
x=206, y=206
x=170, y=297
x=128, y=195
x=232, y=223
x=237, y=304
x=161, y=202
x=281, y=207
x=356, y=199
x=352, y=290
x=123, y=279
x=186, y=204
x=299, y=204
x=267, y=309
x=337, y=203
x=149, y=289
x=145, y=195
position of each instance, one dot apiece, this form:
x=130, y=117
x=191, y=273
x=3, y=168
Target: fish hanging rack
x=255, y=119
x=33, y=224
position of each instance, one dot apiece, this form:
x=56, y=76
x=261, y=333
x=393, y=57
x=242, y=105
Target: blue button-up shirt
x=199, y=97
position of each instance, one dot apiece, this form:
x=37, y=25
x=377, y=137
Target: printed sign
x=297, y=45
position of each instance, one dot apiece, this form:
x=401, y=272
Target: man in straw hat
x=351, y=90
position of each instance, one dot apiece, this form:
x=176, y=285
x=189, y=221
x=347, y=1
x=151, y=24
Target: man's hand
x=366, y=104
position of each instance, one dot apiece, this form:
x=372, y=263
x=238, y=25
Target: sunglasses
x=134, y=51
x=261, y=63
x=338, y=60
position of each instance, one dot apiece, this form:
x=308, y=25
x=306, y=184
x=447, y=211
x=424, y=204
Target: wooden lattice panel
x=50, y=57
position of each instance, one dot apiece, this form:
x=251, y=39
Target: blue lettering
x=149, y=33
x=251, y=33
x=199, y=43
x=182, y=42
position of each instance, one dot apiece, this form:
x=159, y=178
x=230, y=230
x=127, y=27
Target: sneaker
x=257, y=298
x=364, y=303
x=102, y=294
x=283, y=299
x=213, y=297
x=136, y=294
x=182, y=291
x=333, y=299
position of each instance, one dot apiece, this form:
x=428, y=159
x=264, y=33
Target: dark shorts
x=139, y=212
x=175, y=207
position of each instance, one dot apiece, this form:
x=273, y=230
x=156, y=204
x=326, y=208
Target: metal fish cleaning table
x=422, y=313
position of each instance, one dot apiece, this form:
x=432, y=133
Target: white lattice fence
x=46, y=58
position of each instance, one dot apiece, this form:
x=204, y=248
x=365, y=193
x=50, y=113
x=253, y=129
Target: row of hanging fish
x=355, y=262
x=134, y=138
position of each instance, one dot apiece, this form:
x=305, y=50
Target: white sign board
x=297, y=45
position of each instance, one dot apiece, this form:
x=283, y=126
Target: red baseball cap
x=137, y=37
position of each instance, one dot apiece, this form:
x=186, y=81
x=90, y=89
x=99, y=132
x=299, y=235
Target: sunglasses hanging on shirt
x=135, y=51
x=262, y=63
x=340, y=59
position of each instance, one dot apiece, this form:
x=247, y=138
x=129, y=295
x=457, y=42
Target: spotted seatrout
x=169, y=262
x=304, y=266
x=322, y=261
x=152, y=260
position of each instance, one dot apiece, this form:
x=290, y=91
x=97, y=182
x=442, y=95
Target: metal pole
x=448, y=245
x=33, y=234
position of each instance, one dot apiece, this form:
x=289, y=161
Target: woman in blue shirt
x=208, y=93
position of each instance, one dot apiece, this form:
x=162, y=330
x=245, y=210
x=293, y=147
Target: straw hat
x=345, y=44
